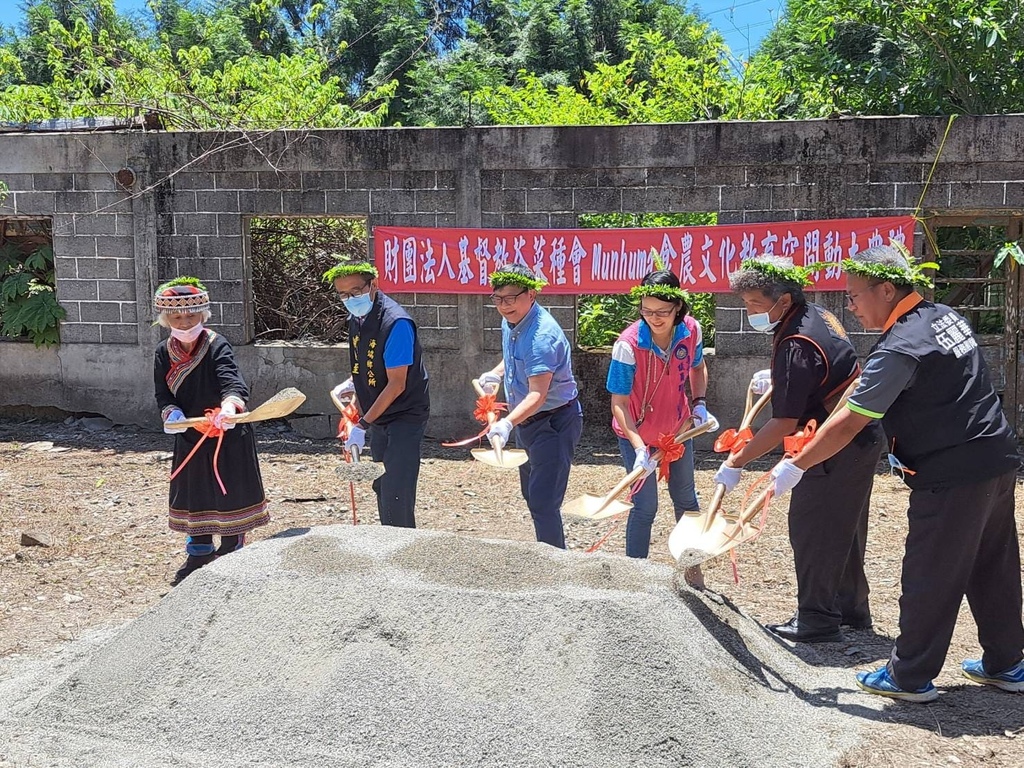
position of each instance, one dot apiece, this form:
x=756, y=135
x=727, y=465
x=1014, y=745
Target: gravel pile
x=370, y=646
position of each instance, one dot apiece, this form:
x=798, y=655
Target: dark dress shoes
x=792, y=631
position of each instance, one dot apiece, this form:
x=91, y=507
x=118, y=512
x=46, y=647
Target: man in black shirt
x=927, y=382
x=812, y=364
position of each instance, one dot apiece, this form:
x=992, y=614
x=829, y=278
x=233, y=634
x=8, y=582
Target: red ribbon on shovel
x=486, y=406
x=733, y=441
x=208, y=429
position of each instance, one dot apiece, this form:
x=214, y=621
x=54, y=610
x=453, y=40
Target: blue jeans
x=397, y=446
x=550, y=442
x=681, y=489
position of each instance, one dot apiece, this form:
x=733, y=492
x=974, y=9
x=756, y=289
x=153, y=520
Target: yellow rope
x=917, y=211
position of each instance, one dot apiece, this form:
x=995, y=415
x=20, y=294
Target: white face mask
x=189, y=335
x=762, y=322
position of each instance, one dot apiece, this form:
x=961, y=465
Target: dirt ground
x=100, y=498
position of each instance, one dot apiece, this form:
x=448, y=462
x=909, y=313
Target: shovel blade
x=691, y=545
x=359, y=471
x=594, y=507
x=507, y=459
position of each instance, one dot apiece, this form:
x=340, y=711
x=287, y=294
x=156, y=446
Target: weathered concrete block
x=549, y=200
x=100, y=182
x=434, y=200
x=36, y=203
x=503, y=200
x=116, y=290
x=746, y=198
x=310, y=202
x=94, y=269
x=101, y=312
x=413, y=179
x=96, y=224
x=323, y=180
x=348, y=201
x=48, y=181
x=392, y=201
x=195, y=224
x=318, y=427
x=367, y=180
x=215, y=202
x=125, y=269
x=240, y=180
x=261, y=202
x=597, y=200
x=275, y=180
x=77, y=290
x=74, y=202
x=79, y=333
x=119, y=334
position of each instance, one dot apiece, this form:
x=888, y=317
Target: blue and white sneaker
x=1011, y=680
x=880, y=682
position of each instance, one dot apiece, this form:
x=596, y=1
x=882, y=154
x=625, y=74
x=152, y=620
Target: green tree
x=909, y=57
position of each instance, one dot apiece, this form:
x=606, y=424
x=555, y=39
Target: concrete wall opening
x=29, y=310
x=287, y=259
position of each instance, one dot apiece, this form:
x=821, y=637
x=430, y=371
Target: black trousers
x=397, y=446
x=962, y=541
x=828, y=528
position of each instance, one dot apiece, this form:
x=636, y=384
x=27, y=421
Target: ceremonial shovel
x=353, y=469
x=497, y=455
x=599, y=507
x=692, y=543
x=279, y=406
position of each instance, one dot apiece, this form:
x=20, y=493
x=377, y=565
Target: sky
x=743, y=23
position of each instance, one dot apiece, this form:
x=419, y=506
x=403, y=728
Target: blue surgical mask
x=358, y=306
x=762, y=322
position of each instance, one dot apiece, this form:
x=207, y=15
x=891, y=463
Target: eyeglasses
x=658, y=312
x=506, y=301
x=851, y=298
x=354, y=294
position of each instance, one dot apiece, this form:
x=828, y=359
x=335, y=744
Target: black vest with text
x=822, y=329
x=947, y=426
x=366, y=342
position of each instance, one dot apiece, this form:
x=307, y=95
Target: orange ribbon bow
x=670, y=451
x=486, y=406
x=733, y=441
x=795, y=443
x=349, y=418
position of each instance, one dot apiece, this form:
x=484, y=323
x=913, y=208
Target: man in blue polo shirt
x=536, y=368
x=391, y=387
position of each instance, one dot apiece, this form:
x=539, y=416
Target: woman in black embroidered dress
x=194, y=372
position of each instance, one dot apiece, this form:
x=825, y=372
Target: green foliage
x=95, y=69
x=1012, y=251
x=28, y=306
x=909, y=57
x=601, y=317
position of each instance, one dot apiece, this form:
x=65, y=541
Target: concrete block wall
x=188, y=210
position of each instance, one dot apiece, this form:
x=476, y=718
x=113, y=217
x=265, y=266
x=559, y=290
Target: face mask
x=358, y=306
x=761, y=322
x=188, y=336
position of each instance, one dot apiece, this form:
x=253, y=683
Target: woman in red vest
x=653, y=360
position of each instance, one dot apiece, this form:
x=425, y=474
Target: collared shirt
x=537, y=345
x=622, y=369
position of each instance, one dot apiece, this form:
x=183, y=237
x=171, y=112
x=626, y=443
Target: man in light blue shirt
x=536, y=368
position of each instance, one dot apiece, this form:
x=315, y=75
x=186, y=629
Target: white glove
x=227, y=408
x=175, y=415
x=728, y=476
x=499, y=432
x=356, y=438
x=761, y=381
x=346, y=389
x=700, y=414
x=489, y=382
x=786, y=475
x=644, y=461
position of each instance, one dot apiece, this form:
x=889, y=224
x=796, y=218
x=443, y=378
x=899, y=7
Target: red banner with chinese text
x=449, y=260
